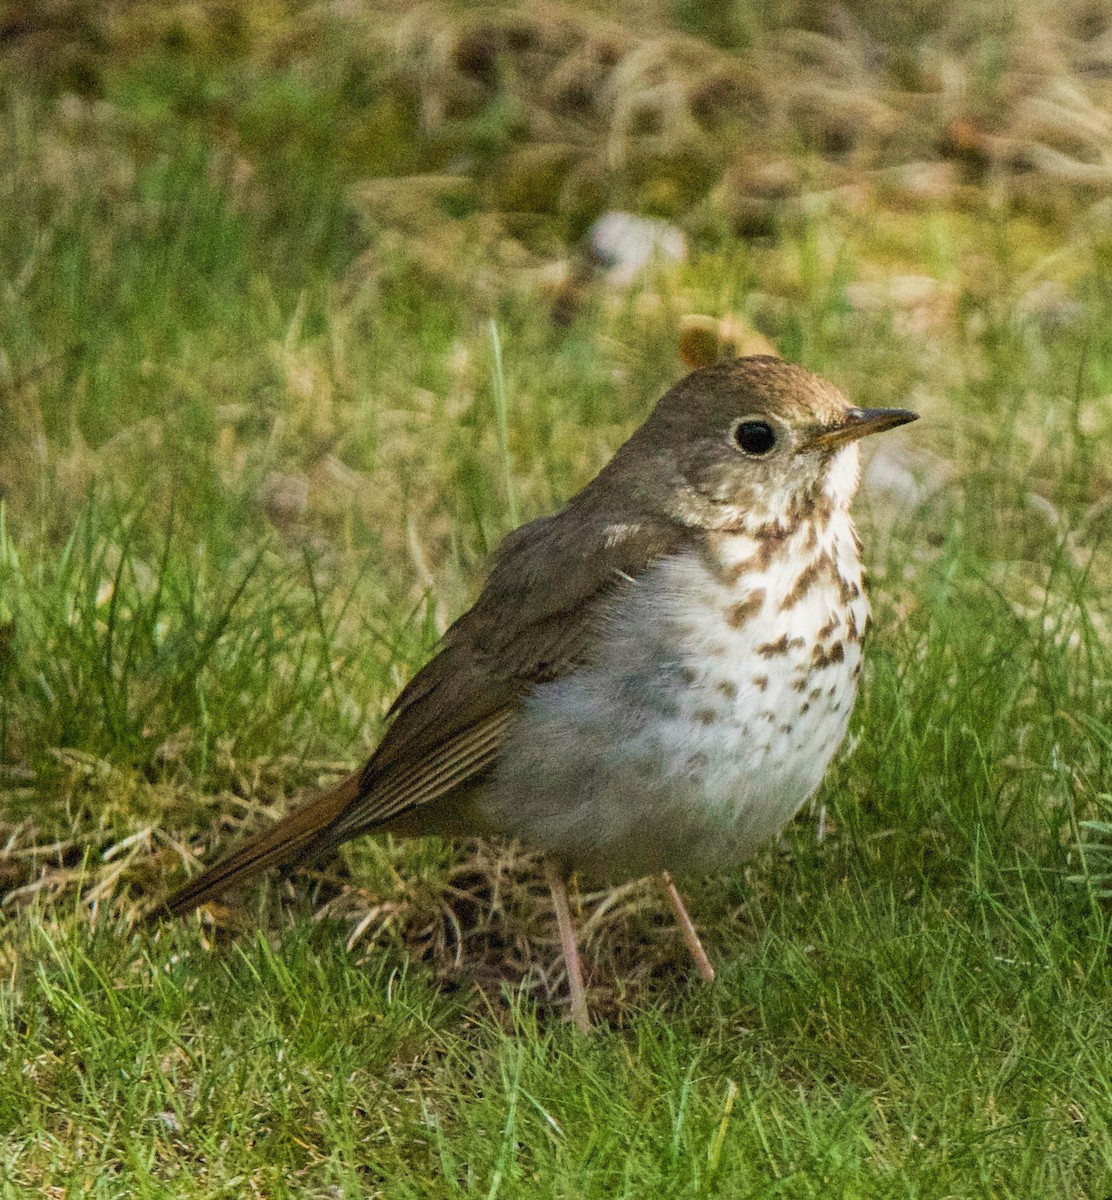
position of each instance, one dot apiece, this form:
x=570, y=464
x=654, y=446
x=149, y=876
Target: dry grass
x=555, y=114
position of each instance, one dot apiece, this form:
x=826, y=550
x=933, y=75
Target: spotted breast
x=722, y=689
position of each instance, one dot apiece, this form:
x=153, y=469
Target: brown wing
x=535, y=620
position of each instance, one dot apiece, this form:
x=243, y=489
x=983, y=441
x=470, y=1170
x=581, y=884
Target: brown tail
x=291, y=838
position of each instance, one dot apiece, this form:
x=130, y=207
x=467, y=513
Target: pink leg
x=559, y=891
x=687, y=928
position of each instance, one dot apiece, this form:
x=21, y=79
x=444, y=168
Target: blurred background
x=304, y=306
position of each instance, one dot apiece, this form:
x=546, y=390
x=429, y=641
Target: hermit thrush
x=652, y=680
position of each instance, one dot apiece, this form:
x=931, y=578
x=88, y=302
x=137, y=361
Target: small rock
x=627, y=244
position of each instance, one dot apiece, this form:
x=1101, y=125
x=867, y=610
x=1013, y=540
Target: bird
x=654, y=679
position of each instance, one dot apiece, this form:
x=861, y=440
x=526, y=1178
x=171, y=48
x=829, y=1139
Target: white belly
x=709, y=718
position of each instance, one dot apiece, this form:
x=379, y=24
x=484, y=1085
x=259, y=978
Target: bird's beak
x=859, y=423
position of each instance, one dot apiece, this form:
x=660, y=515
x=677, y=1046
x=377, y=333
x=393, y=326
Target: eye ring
x=755, y=437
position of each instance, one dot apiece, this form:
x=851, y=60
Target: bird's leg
x=687, y=928
x=559, y=891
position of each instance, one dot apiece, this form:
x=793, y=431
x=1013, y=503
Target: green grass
x=257, y=437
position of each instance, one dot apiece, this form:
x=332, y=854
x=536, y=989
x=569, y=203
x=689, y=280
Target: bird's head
x=749, y=442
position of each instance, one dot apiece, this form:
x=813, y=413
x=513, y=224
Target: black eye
x=755, y=437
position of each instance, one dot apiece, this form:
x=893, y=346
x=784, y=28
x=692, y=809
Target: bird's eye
x=755, y=437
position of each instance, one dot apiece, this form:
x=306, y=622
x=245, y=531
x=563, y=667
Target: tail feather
x=287, y=841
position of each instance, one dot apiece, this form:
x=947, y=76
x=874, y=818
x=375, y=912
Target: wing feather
x=537, y=619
